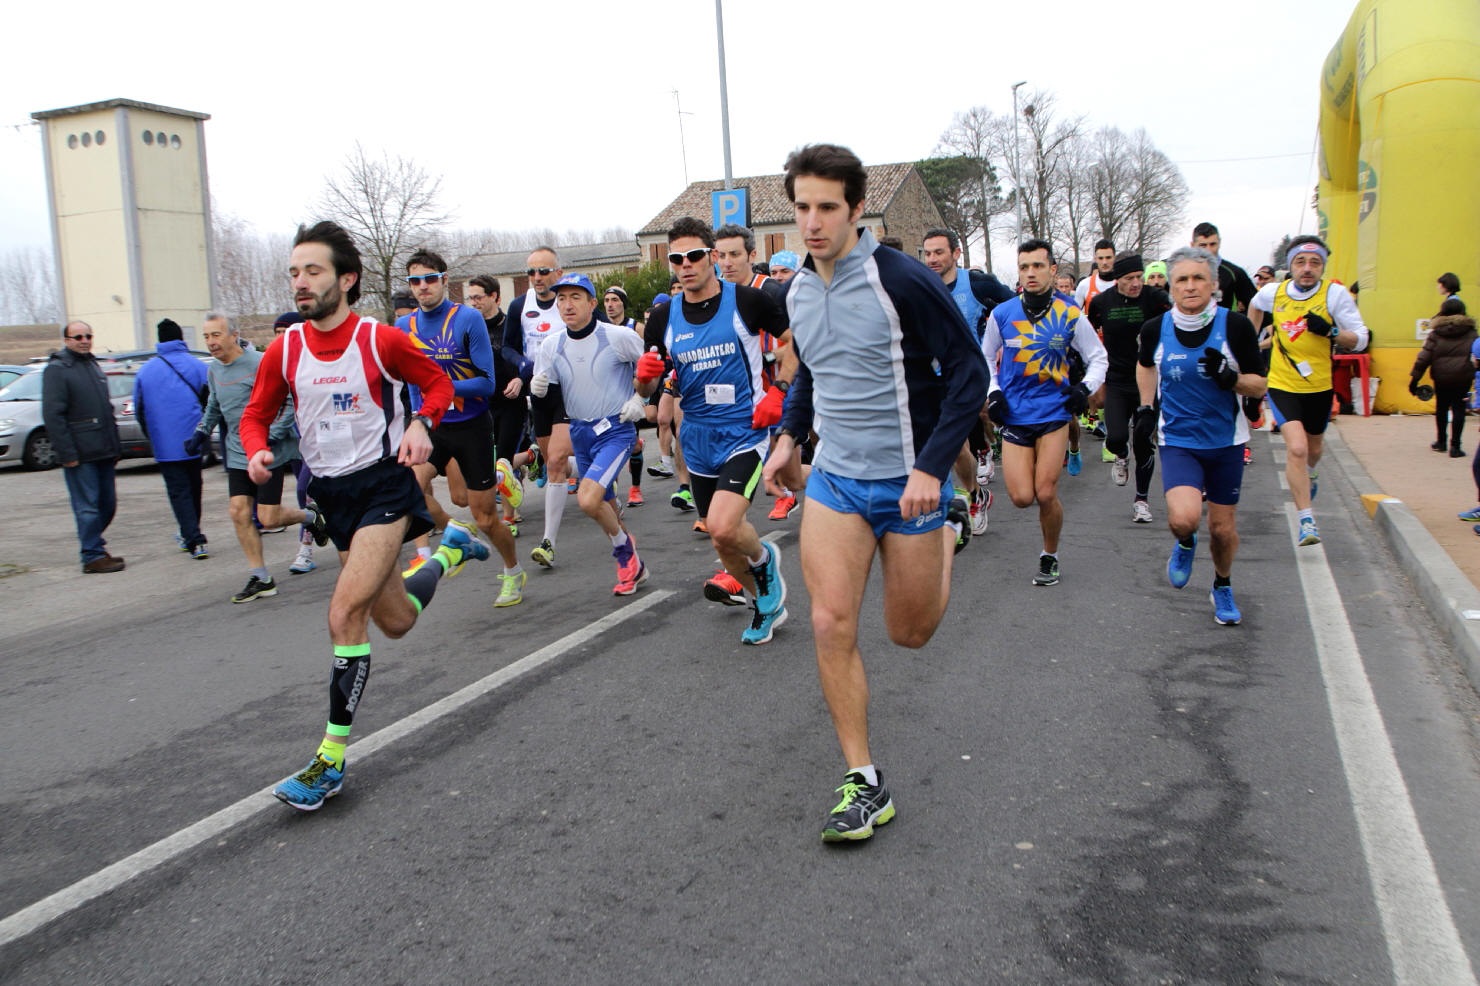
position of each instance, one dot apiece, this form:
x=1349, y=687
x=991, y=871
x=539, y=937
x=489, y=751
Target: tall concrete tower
x=130, y=217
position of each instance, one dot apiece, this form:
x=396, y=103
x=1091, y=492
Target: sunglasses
x=416, y=279
x=693, y=256
x=542, y=271
x=79, y=338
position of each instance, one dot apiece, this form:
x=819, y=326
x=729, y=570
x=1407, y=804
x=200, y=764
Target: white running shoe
x=984, y=468
x=1141, y=512
x=1120, y=471
x=304, y=563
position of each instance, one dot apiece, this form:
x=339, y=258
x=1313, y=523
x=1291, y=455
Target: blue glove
x=196, y=444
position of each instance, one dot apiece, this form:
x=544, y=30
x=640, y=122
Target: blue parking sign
x=730, y=205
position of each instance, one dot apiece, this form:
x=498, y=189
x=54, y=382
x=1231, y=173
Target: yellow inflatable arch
x=1400, y=170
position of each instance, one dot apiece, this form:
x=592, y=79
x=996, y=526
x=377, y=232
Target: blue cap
x=576, y=281
x=787, y=259
x=661, y=298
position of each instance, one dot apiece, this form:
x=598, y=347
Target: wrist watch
x=782, y=385
x=426, y=422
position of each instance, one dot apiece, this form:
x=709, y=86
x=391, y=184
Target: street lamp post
x=1017, y=164
x=724, y=94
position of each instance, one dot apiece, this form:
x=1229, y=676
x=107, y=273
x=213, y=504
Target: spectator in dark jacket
x=169, y=394
x=1446, y=355
x=79, y=421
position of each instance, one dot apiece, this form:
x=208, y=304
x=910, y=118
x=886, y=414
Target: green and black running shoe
x=863, y=806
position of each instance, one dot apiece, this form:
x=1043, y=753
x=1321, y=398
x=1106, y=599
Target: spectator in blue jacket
x=169, y=395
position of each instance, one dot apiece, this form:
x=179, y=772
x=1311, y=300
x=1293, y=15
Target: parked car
x=138, y=356
x=23, y=435
x=9, y=372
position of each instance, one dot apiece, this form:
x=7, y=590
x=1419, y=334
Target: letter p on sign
x=730, y=205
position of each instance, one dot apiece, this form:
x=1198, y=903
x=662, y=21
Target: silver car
x=23, y=436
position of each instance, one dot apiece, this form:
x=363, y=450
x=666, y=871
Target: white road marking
x=68, y=899
x=1423, y=944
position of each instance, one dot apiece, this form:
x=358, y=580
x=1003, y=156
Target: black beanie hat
x=169, y=331
x=1126, y=265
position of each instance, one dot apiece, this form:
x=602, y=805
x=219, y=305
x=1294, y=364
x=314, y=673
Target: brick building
x=897, y=204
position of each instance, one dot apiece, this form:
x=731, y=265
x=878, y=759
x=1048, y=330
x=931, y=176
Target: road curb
x=1444, y=590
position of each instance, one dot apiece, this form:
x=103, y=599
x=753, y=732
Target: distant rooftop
x=768, y=202
x=109, y=104
x=572, y=257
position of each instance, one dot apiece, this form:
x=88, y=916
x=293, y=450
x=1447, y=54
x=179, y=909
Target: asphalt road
x=1095, y=783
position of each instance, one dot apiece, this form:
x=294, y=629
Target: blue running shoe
x=1179, y=566
x=762, y=626
x=1470, y=516
x=308, y=789
x=1225, y=610
x=770, y=587
x=459, y=537
x=1308, y=533
x=1075, y=464
x=1315, y=486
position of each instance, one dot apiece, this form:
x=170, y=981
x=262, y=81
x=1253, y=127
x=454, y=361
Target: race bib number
x=719, y=393
x=336, y=443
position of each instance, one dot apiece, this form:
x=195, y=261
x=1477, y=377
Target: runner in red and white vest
x=348, y=376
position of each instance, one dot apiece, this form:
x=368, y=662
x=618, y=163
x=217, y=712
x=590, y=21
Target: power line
x=1230, y=160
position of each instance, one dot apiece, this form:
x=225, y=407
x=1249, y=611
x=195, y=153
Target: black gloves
x=1143, y=423
x=1076, y=401
x=1214, y=366
x=997, y=407
x=1413, y=386
x=196, y=443
x=1319, y=325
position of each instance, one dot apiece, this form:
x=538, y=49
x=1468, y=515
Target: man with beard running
x=1032, y=400
x=1118, y=314
x=348, y=378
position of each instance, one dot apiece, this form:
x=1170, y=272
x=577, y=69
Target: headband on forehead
x=1307, y=247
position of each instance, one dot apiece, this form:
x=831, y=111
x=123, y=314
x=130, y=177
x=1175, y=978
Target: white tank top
x=351, y=412
x=538, y=324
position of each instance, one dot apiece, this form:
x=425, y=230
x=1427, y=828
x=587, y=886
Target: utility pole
x=724, y=93
x=682, y=147
x=1017, y=164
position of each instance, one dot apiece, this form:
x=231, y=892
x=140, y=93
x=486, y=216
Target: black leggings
x=1120, y=404
x=1450, y=401
x=508, y=424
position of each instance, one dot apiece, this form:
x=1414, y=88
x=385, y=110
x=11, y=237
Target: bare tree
x=975, y=135
x=1043, y=141
x=1110, y=181
x=251, y=270
x=1158, y=196
x=28, y=291
x=390, y=205
x=1076, y=198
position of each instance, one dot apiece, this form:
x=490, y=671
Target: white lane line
x=68, y=899
x=1423, y=944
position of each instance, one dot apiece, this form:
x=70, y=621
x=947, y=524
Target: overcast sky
x=564, y=116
